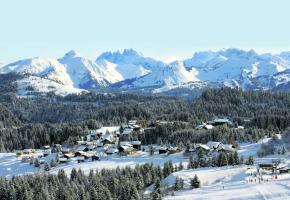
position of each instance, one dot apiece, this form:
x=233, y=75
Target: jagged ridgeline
x=132, y=71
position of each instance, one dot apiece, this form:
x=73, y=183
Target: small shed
x=163, y=150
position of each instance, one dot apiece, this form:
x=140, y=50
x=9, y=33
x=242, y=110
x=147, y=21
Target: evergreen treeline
x=177, y=134
x=7, y=119
x=123, y=184
x=126, y=183
x=38, y=135
x=34, y=121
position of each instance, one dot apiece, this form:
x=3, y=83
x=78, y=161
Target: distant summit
x=130, y=70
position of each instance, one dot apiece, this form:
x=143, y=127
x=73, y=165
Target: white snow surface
x=173, y=74
x=229, y=183
x=131, y=69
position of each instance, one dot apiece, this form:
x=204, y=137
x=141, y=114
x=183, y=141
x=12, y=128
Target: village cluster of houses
x=216, y=122
x=213, y=146
x=273, y=166
x=97, y=143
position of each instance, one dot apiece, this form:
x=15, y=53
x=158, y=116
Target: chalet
x=162, y=150
x=68, y=155
x=95, y=157
x=81, y=142
x=107, y=139
x=226, y=148
x=172, y=150
x=135, y=144
x=239, y=128
x=126, y=149
x=28, y=151
x=46, y=147
x=204, y=126
x=63, y=160
x=285, y=169
x=220, y=122
x=79, y=153
x=266, y=166
x=136, y=127
x=132, y=122
x=191, y=150
x=203, y=147
x=213, y=145
x=112, y=130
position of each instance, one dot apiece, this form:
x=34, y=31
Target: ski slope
x=229, y=183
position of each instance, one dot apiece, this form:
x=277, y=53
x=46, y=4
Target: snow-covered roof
x=203, y=146
x=172, y=148
x=226, y=147
x=127, y=148
x=81, y=142
x=63, y=159
x=68, y=155
x=208, y=126
x=222, y=120
x=106, y=137
x=27, y=150
x=163, y=148
x=109, y=129
x=199, y=126
x=136, y=142
x=132, y=122
x=212, y=144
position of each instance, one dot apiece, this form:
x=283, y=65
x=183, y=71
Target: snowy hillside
x=131, y=70
x=245, y=69
x=129, y=64
x=85, y=73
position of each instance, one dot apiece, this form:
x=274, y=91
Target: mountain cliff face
x=131, y=70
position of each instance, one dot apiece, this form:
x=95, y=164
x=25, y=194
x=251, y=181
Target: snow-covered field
x=232, y=182
x=10, y=165
x=229, y=183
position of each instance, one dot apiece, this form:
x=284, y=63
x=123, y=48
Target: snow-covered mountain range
x=131, y=70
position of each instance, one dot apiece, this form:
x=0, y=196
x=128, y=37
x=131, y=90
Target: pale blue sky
x=165, y=29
